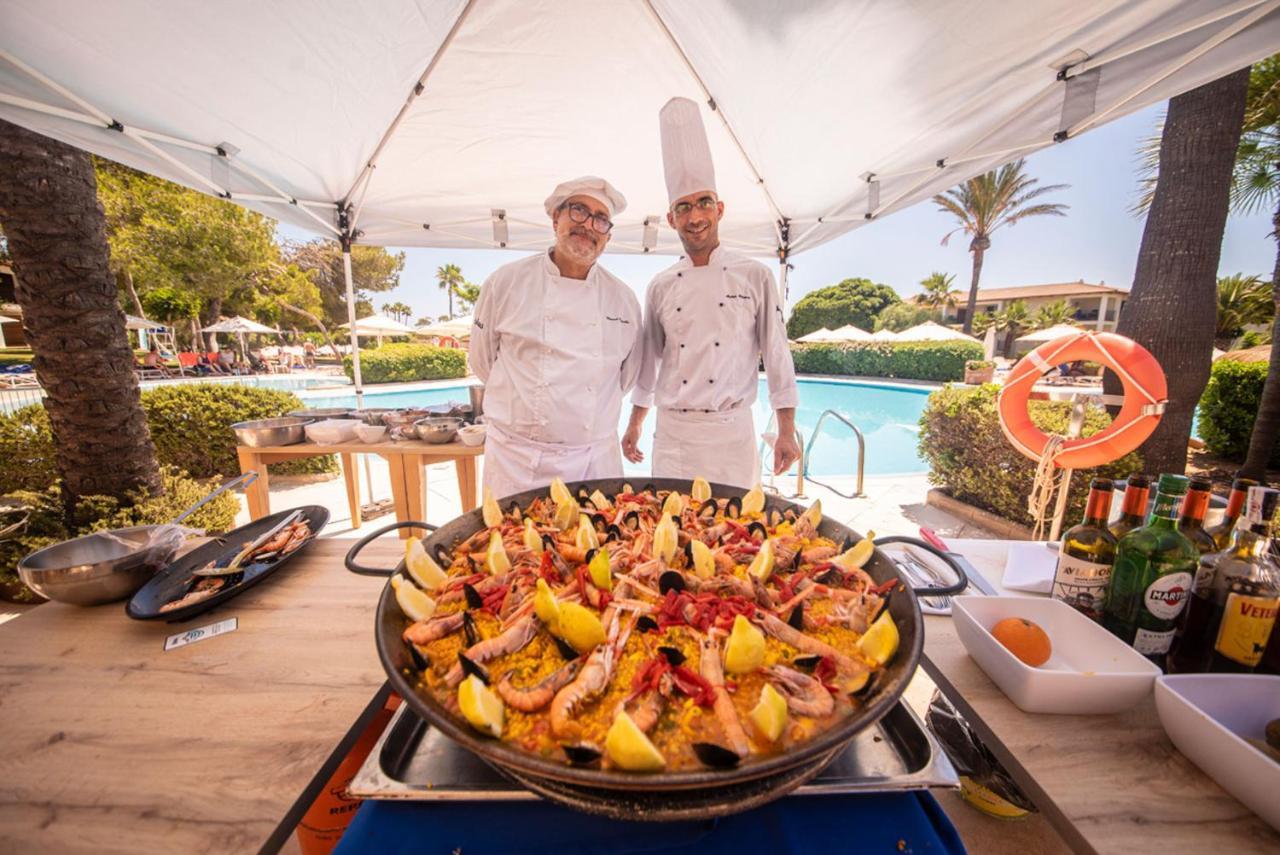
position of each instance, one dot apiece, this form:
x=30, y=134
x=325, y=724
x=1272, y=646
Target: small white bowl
x=1206, y=716
x=371, y=433
x=471, y=434
x=1091, y=672
x=332, y=431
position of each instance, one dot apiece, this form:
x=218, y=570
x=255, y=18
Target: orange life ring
x=1145, y=396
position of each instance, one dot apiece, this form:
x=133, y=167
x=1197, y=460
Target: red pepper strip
x=825, y=672
x=822, y=566
x=647, y=677
x=493, y=600
x=883, y=588
x=694, y=685
x=547, y=569
x=456, y=584
x=750, y=548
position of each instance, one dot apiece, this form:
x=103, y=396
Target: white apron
x=720, y=447
x=513, y=464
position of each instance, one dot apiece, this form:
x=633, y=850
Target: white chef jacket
x=556, y=356
x=706, y=329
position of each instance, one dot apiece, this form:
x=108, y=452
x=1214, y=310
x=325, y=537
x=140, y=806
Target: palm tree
x=937, y=291
x=72, y=317
x=1242, y=300
x=1054, y=314
x=989, y=202
x=400, y=311
x=1012, y=320
x=450, y=277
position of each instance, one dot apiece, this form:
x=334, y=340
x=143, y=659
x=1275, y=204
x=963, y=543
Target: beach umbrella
x=849, y=332
x=240, y=327
x=885, y=335
x=377, y=326
x=930, y=331
x=1050, y=333
x=133, y=322
x=820, y=334
x=459, y=328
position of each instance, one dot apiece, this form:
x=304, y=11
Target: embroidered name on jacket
x=619, y=320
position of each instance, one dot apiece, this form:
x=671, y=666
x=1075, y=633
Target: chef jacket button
x=685, y=382
x=722, y=305
x=678, y=275
x=717, y=344
x=678, y=308
x=711, y=381
x=682, y=346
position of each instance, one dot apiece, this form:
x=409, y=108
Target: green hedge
x=190, y=426
x=404, y=363
x=1229, y=407
x=968, y=453
x=905, y=360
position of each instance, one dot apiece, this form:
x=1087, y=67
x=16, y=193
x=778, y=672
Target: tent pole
x=351, y=308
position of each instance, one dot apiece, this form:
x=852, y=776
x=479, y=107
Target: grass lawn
x=15, y=356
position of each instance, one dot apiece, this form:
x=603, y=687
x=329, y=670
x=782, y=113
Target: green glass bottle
x=1133, y=507
x=1194, y=507
x=1154, y=570
x=1086, y=555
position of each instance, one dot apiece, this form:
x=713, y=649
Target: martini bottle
x=1155, y=567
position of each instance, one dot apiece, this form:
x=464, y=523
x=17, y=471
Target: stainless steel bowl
x=437, y=430
x=98, y=568
x=324, y=413
x=374, y=416
x=264, y=432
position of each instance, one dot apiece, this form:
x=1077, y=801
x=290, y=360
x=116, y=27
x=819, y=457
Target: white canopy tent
x=931, y=331
x=458, y=328
x=885, y=335
x=820, y=334
x=447, y=122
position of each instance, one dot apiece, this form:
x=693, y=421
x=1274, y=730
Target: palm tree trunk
x=72, y=317
x=1262, y=442
x=978, y=247
x=125, y=278
x=324, y=331
x=1172, y=309
x=212, y=312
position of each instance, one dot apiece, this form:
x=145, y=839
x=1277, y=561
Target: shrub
x=1229, y=407
x=26, y=450
x=404, y=363
x=907, y=360
x=903, y=316
x=853, y=301
x=46, y=524
x=968, y=453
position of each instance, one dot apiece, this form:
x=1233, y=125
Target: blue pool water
x=888, y=416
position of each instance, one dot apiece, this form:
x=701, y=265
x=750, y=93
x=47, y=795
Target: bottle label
x=1150, y=643
x=1167, y=595
x=1246, y=626
x=1079, y=583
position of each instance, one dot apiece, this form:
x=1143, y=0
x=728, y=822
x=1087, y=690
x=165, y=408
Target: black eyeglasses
x=706, y=203
x=579, y=213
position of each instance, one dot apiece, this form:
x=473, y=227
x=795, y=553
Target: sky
x=1097, y=241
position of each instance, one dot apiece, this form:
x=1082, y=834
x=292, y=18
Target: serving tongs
x=234, y=566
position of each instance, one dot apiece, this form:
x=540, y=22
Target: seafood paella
x=646, y=631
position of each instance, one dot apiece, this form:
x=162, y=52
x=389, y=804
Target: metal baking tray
x=413, y=761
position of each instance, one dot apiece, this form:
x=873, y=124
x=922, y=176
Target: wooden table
x=1107, y=783
x=406, y=461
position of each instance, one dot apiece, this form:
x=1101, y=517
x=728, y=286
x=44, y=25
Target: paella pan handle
x=350, y=560
x=962, y=579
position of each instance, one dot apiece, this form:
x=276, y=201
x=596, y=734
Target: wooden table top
x=112, y=744
x=1108, y=783
x=386, y=446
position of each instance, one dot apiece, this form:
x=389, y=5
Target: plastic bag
x=975, y=762
x=162, y=540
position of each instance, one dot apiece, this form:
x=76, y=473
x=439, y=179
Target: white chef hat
x=686, y=157
x=588, y=185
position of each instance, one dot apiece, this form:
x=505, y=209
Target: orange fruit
x=1024, y=639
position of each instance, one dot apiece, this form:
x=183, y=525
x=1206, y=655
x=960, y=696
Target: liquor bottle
x=1133, y=507
x=1087, y=553
x=1221, y=533
x=1232, y=611
x=1194, y=506
x=1154, y=570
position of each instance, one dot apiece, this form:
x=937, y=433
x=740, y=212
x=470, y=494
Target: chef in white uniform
x=557, y=344
x=709, y=319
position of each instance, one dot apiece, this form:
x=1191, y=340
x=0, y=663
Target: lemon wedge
x=532, y=540
x=586, y=537
x=546, y=607
x=422, y=567
x=880, y=642
x=598, y=567
x=489, y=510
x=481, y=707
x=567, y=514
x=744, y=652
x=496, y=560
x=629, y=748
x=412, y=601
x=704, y=563
x=579, y=626
x=814, y=513
x=762, y=565
x=559, y=492
x=753, y=501
x=701, y=490
x=858, y=554
x=673, y=505
x=599, y=501
x=769, y=716
x=665, y=539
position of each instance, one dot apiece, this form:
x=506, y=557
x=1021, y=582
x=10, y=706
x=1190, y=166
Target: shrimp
x=591, y=680
x=427, y=631
x=817, y=554
x=515, y=638
x=572, y=553
x=647, y=708
x=788, y=635
x=713, y=673
x=805, y=695
x=537, y=696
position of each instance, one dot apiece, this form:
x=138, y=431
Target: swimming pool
x=887, y=414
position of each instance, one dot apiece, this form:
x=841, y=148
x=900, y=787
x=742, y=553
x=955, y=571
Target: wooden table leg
x=352, y=478
x=256, y=494
x=466, y=467
x=415, y=483
x=400, y=494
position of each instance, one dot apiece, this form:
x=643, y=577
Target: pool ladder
x=802, y=468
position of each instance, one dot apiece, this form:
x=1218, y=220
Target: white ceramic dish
x=371, y=433
x=1091, y=672
x=331, y=431
x=1206, y=716
x=471, y=434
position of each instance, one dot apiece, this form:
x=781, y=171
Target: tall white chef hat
x=588, y=185
x=686, y=157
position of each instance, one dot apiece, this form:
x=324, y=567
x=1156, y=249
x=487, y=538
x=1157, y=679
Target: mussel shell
x=584, y=495
x=672, y=655
x=789, y=515
x=757, y=531
x=647, y=624
x=566, y=649
x=442, y=556
x=472, y=596
x=599, y=523
x=688, y=554
x=650, y=489
x=613, y=533
x=867, y=687
x=733, y=508
x=796, y=619
x=807, y=662
x=548, y=542
x=590, y=553
x=671, y=580
x=420, y=662
x=473, y=669
x=581, y=755
x=830, y=576
x=849, y=543
x=631, y=520
x=513, y=511
x=469, y=629
x=715, y=756
x=708, y=510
